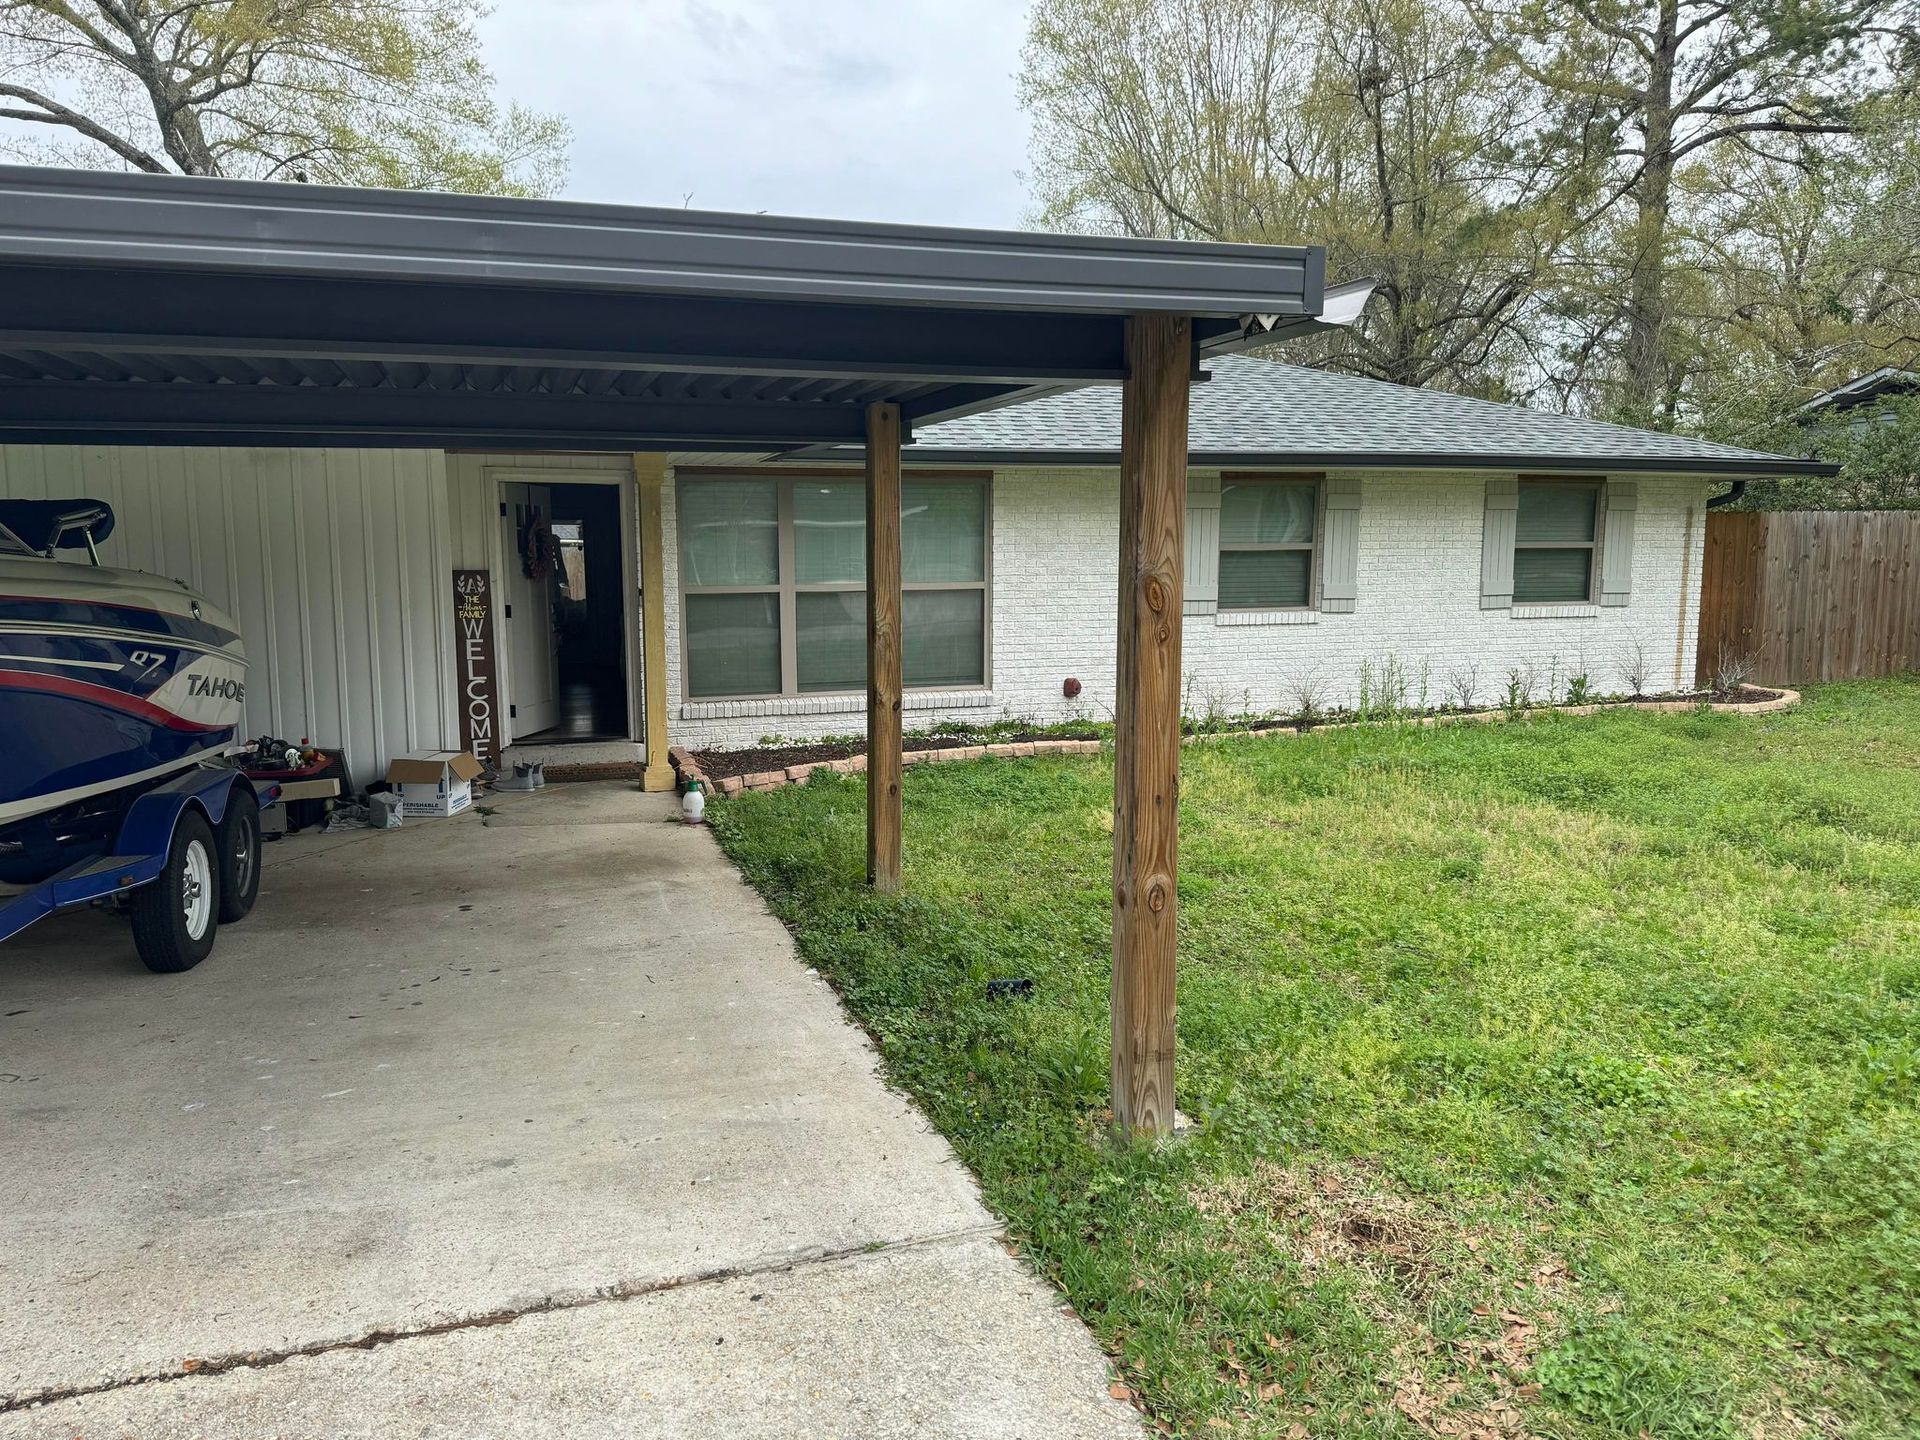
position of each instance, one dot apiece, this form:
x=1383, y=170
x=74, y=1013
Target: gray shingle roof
x=1261, y=411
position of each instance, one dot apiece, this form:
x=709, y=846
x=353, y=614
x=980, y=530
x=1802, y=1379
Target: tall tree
x=1379, y=128
x=1680, y=81
x=354, y=92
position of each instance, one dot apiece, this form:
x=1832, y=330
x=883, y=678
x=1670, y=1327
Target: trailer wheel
x=239, y=841
x=174, y=918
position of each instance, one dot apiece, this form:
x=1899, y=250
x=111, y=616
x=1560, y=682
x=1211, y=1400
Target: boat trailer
x=180, y=857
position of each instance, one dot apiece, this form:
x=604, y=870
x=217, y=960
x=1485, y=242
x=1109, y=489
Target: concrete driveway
x=526, y=1124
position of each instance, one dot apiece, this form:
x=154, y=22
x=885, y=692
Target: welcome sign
x=479, y=676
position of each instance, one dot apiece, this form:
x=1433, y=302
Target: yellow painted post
x=650, y=472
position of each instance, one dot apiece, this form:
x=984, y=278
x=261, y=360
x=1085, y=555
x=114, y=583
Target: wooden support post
x=649, y=472
x=884, y=660
x=1146, y=742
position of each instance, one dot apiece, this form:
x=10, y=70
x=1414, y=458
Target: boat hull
x=107, y=678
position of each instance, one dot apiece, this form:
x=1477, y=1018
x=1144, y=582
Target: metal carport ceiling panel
x=156, y=308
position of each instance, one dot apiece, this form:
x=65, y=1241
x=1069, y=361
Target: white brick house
x=1410, y=533
x=1384, y=525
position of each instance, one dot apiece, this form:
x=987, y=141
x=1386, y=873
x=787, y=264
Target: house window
x=1268, y=530
x=1554, y=542
x=773, y=579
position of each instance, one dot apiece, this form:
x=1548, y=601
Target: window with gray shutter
x=1269, y=526
x=1555, y=538
x=1203, y=542
x=1622, y=507
x=1496, y=545
x=1340, y=546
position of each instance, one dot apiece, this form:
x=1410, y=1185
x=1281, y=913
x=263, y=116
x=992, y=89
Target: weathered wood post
x=884, y=658
x=1146, y=778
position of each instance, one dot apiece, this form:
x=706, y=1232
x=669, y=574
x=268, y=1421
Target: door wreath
x=539, y=552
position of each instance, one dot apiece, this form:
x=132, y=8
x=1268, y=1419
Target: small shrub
x=1580, y=689
x=1463, y=685
x=1394, y=687
x=1307, y=694
x=1636, y=667
x=1384, y=690
x=1731, y=669
x=1518, y=698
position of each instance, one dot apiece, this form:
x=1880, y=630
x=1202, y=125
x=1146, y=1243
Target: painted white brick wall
x=1056, y=536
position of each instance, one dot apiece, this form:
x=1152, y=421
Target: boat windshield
x=12, y=544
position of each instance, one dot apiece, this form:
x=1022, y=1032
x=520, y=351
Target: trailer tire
x=174, y=918
x=239, y=841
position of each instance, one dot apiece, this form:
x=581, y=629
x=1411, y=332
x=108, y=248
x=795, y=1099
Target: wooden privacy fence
x=1811, y=595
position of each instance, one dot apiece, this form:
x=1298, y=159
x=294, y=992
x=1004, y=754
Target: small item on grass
x=1017, y=989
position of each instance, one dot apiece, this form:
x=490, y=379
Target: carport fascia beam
x=82, y=310
x=1000, y=371
x=131, y=410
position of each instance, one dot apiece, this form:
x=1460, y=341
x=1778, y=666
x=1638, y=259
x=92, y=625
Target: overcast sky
x=858, y=109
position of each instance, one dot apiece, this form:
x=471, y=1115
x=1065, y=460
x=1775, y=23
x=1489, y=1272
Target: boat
x=109, y=679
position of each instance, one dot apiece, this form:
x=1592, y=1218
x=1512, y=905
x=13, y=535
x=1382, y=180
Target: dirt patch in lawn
x=1476, y=1385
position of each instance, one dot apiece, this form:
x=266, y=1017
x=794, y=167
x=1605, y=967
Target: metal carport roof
x=166, y=310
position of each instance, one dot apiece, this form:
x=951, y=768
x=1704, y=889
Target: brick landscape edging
x=689, y=769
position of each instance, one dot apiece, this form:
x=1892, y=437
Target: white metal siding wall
x=335, y=563
x=1056, y=536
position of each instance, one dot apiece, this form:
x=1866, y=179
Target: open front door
x=533, y=688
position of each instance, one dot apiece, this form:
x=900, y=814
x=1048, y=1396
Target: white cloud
x=858, y=109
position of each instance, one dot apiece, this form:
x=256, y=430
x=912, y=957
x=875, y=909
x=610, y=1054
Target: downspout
x=1732, y=496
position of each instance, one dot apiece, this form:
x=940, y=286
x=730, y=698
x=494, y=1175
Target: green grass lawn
x=1555, y=1077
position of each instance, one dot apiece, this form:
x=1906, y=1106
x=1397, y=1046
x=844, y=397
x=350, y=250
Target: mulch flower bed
x=767, y=767
x=719, y=765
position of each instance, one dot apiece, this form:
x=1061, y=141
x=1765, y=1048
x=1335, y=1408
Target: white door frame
x=630, y=647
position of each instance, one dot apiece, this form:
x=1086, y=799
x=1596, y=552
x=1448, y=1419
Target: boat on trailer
x=120, y=692
x=107, y=677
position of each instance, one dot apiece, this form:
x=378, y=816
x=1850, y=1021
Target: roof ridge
x=1271, y=411
x=1442, y=397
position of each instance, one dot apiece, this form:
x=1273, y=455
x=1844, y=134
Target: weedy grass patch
x=1554, y=1078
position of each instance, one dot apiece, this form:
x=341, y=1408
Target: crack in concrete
x=196, y=1369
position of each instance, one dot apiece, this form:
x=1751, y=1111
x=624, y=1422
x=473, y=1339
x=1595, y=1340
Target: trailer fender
x=149, y=826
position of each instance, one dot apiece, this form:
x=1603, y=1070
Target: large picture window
x=773, y=575
x=1555, y=534
x=1268, y=530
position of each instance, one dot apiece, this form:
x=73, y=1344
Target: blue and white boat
x=108, y=678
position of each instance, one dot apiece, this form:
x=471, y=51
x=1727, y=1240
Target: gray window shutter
x=1616, y=542
x=1496, y=546
x=1340, y=547
x=1203, y=543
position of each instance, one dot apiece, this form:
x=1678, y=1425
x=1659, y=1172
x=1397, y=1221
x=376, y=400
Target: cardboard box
x=308, y=789
x=434, y=782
